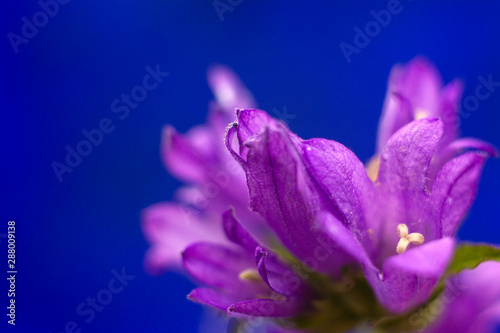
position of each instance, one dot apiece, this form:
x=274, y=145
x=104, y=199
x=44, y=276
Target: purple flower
x=327, y=241
x=200, y=159
x=415, y=91
x=308, y=190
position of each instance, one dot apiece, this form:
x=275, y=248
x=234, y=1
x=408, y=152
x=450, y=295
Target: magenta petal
x=182, y=157
x=412, y=88
x=236, y=233
x=170, y=228
x=397, y=113
x=409, y=278
x=216, y=265
x=230, y=93
x=471, y=301
x=343, y=178
x=215, y=298
x=265, y=308
x=455, y=189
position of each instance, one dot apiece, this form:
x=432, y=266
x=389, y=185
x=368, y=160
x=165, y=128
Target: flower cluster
x=303, y=233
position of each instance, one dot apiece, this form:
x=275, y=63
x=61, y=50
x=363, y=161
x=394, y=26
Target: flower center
x=405, y=238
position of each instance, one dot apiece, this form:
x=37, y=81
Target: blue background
x=71, y=234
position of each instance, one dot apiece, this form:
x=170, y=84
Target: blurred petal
x=236, y=233
x=455, y=189
x=182, y=157
x=216, y=265
x=470, y=301
x=213, y=297
x=413, y=89
x=170, y=228
x=265, y=308
x=230, y=93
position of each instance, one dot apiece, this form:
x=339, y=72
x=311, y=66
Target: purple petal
x=236, y=233
x=397, y=113
x=460, y=145
x=343, y=239
x=277, y=275
x=217, y=265
x=409, y=278
x=230, y=93
x=343, y=178
x=250, y=124
x=215, y=298
x=184, y=157
x=449, y=107
x=412, y=88
x=405, y=161
x=283, y=193
x=455, y=189
x=471, y=301
x=266, y=308
x=170, y=228
x=402, y=177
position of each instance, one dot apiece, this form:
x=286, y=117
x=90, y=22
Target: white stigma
x=405, y=238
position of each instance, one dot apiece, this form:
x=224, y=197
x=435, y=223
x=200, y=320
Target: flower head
x=327, y=242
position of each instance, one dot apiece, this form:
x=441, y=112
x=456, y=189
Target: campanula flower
x=300, y=231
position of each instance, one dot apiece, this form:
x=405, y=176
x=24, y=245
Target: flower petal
x=277, y=275
x=455, y=189
x=230, y=93
x=448, y=112
x=236, y=233
x=409, y=278
x=183, y=157
x=213, y=297
x=412, y=88
x=471, y=301
x=265, y=308
x=217, y=265
x=402, y=177
x=406, y=159
x=283, y=193
x=343, y=178
x=170, y=228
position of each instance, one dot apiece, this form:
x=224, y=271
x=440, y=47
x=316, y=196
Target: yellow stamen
x=250, y=274
x=405, y=238
x=402, y=230
x=402, y=245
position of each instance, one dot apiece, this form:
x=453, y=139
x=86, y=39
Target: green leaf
x=469, y=256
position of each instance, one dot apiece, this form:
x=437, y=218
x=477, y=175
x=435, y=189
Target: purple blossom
x=321, y=226
x=214, y=180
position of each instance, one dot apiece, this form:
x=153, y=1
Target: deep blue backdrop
x=62, y=80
